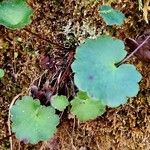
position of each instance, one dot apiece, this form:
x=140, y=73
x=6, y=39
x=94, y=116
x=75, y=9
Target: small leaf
x=33, y=122
x=111, y=16
x=86, y=109
x=1, y=73
x=82, y=95
x=59, y=102
x=96, y=73
x=15, y=14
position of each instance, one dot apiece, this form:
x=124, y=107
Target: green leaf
x=111, y=16
x=33, y=122
x=59, y=102
x=96, y=73
x=15, y=14
x=86, y=109
x=1, y=73
x=82, y=95
x=140, y=3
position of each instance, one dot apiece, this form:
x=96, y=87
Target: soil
x=30, y=61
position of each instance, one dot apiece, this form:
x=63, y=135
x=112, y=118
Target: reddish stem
x=129, y=56
x=64, y=75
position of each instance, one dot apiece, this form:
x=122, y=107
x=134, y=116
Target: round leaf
x=15, y=14
x=59, y=102
x=96, y=73
x=86, y=109
x=33, y=122
x=111, y=16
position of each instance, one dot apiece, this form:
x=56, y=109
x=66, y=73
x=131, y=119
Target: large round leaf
x=33, y=122
x=15, y=14
x=96, y=73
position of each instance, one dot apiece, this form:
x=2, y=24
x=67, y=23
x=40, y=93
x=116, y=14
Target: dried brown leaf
x=146, y=8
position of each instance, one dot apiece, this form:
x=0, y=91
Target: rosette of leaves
x=15, y=14
x=33, y=122
x=86, y=108
x=111, y=16
x=1, y=73
x=59, y=102
x=96, y=72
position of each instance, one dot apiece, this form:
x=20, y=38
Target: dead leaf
x=146, y=8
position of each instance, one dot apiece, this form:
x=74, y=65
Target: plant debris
x=144, y=52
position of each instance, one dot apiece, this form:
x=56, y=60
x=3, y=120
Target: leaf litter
x=121, y=128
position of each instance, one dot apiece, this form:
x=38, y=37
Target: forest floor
x=30, y=59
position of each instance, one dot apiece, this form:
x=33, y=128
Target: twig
x=129, y=56
x=8, y=122
x=6, y=137
x=70, y=59
x=58, y=81
x=65, y=73
x=45, y=39
x=62, y=76
x=37, y=78
x=40, y=77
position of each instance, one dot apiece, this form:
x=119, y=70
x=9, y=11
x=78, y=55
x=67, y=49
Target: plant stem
x=130, y=55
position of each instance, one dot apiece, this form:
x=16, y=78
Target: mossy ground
x=68, y=23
